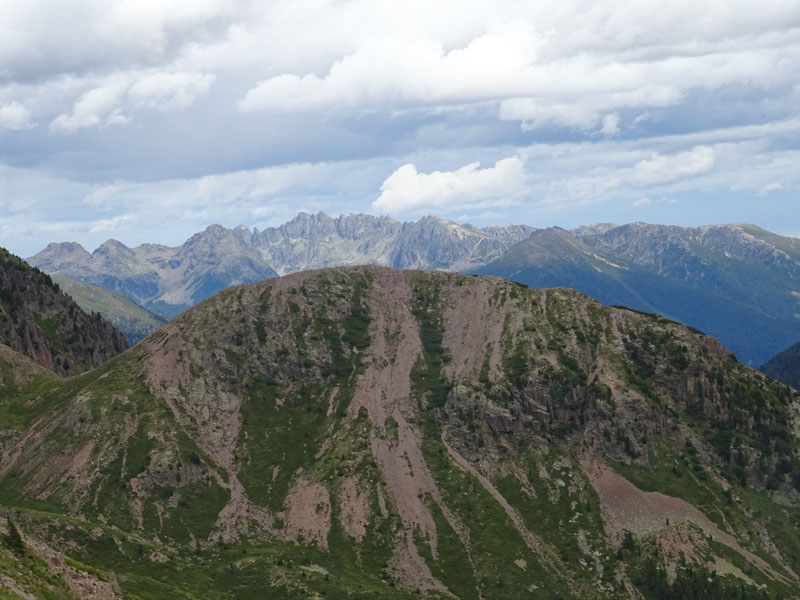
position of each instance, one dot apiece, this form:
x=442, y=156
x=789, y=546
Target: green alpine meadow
x=370, y=433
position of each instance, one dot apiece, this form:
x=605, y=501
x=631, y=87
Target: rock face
x=382, y=433
x=316, y=241
x=40, y=321
x=168, y=280
x=738, y=282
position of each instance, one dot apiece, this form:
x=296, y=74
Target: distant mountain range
x=168, y=280
x=739, y=283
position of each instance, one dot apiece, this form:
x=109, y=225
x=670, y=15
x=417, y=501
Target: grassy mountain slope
x=374, y=433
x=133, y=321
x=37, y=319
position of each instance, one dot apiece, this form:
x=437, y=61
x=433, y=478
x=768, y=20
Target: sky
x=147, y=121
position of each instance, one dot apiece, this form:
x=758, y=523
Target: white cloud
x=770, y=187
x=662, y=169
x=111, y=102
x=642, y=202
x=408, y=191
x=169, y=91
x=610, y=127
x=99, y=106
x=565, y=68
x=15, y=116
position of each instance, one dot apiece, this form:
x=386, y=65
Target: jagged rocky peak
x=114, y=251
x=210, y=234
x=243, y=234
x=167, y=280
x=595, y=229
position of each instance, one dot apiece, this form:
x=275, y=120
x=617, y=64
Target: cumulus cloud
x=98, y=106
x=573, y=68
x=111, y=102
x=661, y=169
x=408, y=191
x=15, y=116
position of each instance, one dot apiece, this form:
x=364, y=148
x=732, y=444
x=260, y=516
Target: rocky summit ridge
x=378, y=433
x=168, y=280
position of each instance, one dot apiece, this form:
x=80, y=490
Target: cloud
x=572, y=68
x=770, y=187
x=661, y=169
x=408, y=191
x=119, y=95
x=642, y=202
x=15, y=116
x=100, y=106
x=169, y=91
x=421, y=72
x=610, y=127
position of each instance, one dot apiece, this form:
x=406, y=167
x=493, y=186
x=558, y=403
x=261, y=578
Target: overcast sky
x=146, y=121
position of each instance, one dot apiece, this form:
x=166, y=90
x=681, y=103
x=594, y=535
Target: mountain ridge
x=737, y=282
x=393, y=432
x=37, y=319
x=785, y=366
x=133, y=321
x=168, y=280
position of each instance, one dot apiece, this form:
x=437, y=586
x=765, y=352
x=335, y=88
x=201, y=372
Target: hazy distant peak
x=112, y=248
x=243, y=234
x=58, y=255
x=66, y=247
x=594, y=229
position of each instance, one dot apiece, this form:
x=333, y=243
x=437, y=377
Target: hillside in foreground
x=373, y=433
x=43, y=323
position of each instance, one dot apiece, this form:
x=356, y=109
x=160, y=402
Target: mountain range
x=739, y=283
x=167, y=280
x=377, y=433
